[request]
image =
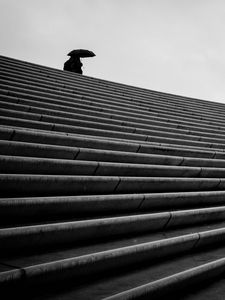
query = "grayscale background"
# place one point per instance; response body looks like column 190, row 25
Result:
column 175, row 46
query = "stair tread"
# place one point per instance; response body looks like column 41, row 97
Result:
column 42, row 256
column 97, row 175
column 128, row 279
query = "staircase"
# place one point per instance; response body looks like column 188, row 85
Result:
column 108, row 191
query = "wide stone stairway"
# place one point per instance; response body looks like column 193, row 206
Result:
column 108, row 191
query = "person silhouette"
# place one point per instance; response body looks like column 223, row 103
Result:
column 73, row 64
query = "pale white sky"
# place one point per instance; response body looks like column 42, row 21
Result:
column 175, row 46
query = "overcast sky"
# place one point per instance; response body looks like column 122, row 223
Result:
column 175, row 46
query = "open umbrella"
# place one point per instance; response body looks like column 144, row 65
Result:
column 81, row 53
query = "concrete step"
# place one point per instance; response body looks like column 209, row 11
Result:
column 176, row 283
column 214, row 289
column 43, row 255
column 112, row 98
column 28, row 237
column 47, row 185
column 28, row 92
column 89, row 83
column 116, row 187
column 98, row 125
column 152, row 137
column 11, row 103
column 35, row 106
column 20, row 91
column 61, row 207
column 95, row 264
column 17, row 130
column 28, row 165
column 23, row 149
column 56, row 138
column 158, row 95
column 128, row 278
column 153, row 130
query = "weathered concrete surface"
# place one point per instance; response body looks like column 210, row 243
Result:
column 119, row 188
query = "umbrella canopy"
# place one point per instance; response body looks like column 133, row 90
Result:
column 81, row 53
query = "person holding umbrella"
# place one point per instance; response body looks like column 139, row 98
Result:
column 74, row 64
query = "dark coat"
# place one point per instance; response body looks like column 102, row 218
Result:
column 73, row 65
